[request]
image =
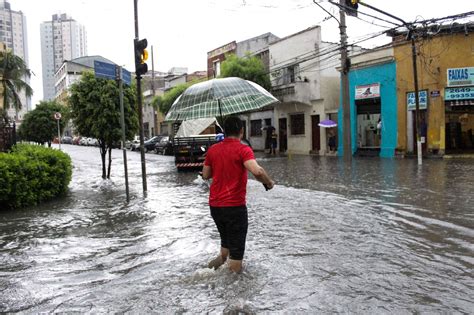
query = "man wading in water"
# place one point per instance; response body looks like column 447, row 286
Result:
column 227, row 163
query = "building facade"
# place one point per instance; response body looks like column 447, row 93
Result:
column 305, row 80
column 373, row 104
column 62, row 38
column 445, row 65
column 14, row 35
column 255, row 123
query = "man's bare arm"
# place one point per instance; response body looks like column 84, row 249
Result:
column 259, row 173
column 206, row 172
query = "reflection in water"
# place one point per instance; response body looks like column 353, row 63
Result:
column 378, row 236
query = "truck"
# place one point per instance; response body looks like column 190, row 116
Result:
column 191, row 142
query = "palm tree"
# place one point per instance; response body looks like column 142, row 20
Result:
column 13, row 72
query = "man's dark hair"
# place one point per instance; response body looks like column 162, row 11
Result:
column 232, row 126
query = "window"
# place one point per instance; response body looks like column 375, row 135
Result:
column 256, row 128
column 289, row 74
column 297, row 124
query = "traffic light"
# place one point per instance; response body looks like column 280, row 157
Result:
column 351, row 7
column 141, row 55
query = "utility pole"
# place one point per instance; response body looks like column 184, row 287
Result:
column 346, row 106
column 417, row 100
column 153, row 89
column 139, row 105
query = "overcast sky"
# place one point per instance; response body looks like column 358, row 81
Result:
column 183, row 31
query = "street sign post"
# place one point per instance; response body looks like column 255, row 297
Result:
column 113, row 72
column 57, row 116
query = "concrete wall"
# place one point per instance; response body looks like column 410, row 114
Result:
column 255, row 44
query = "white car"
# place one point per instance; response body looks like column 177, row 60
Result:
column 92, row 142
column 135, row 145
column 83, row 141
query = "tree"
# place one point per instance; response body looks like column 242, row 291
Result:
column 249, row 68
column 39, row 124
column 163, row 103
column 13, row 71
column 95, row 111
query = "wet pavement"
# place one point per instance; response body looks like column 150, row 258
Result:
column 381, row 236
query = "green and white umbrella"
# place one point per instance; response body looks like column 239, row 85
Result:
column 219, row 97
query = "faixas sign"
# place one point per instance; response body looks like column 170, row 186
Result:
column 460, row 76
column 367, row 91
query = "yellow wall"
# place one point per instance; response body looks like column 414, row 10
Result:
column 434, row 57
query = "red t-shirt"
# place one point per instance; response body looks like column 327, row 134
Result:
column 229, row 175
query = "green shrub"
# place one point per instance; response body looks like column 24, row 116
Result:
column 31, row 174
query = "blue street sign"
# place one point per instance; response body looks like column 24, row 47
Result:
column 109, row 71
column 104, row 70
column 126, row 77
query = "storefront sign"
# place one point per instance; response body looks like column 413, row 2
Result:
column 422, row 100
column 367, row 91
column 435, row 93
column 459, row 93
column 461, row 76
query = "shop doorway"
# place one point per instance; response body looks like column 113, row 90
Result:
column 459, row 130
column 316, row 134
column 282, row 134
column 369, row 125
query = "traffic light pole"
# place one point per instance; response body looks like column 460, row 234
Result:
column 139, row 105
column 346, row 106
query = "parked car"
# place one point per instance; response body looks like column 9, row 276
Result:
column 150, row 144
column 83, row 141
column 66, row 140
column 76, row 140
column 92, row 142
column 164, row 146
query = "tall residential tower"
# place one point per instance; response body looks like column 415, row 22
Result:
column 13, row 35
column 62, row 38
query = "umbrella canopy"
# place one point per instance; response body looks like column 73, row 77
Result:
column 219, row 97
column 328, row 123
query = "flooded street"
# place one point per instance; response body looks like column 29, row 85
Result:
column 382, row 236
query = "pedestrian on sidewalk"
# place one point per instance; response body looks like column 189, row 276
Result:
column 274, row 142
column 227, row 163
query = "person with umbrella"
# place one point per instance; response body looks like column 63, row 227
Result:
column 227, row 163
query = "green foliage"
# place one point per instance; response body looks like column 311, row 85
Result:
column 95, row 109
column 39, row 124
column 13, row 70
column 31, row 174
column 249, row 68
column 164, row 102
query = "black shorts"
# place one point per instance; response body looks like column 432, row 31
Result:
column 232, row 223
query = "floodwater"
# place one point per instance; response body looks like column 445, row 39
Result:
column 381, row 236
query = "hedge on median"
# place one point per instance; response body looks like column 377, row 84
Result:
column 31, row 174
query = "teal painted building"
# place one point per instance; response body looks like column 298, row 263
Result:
column 373, row 104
